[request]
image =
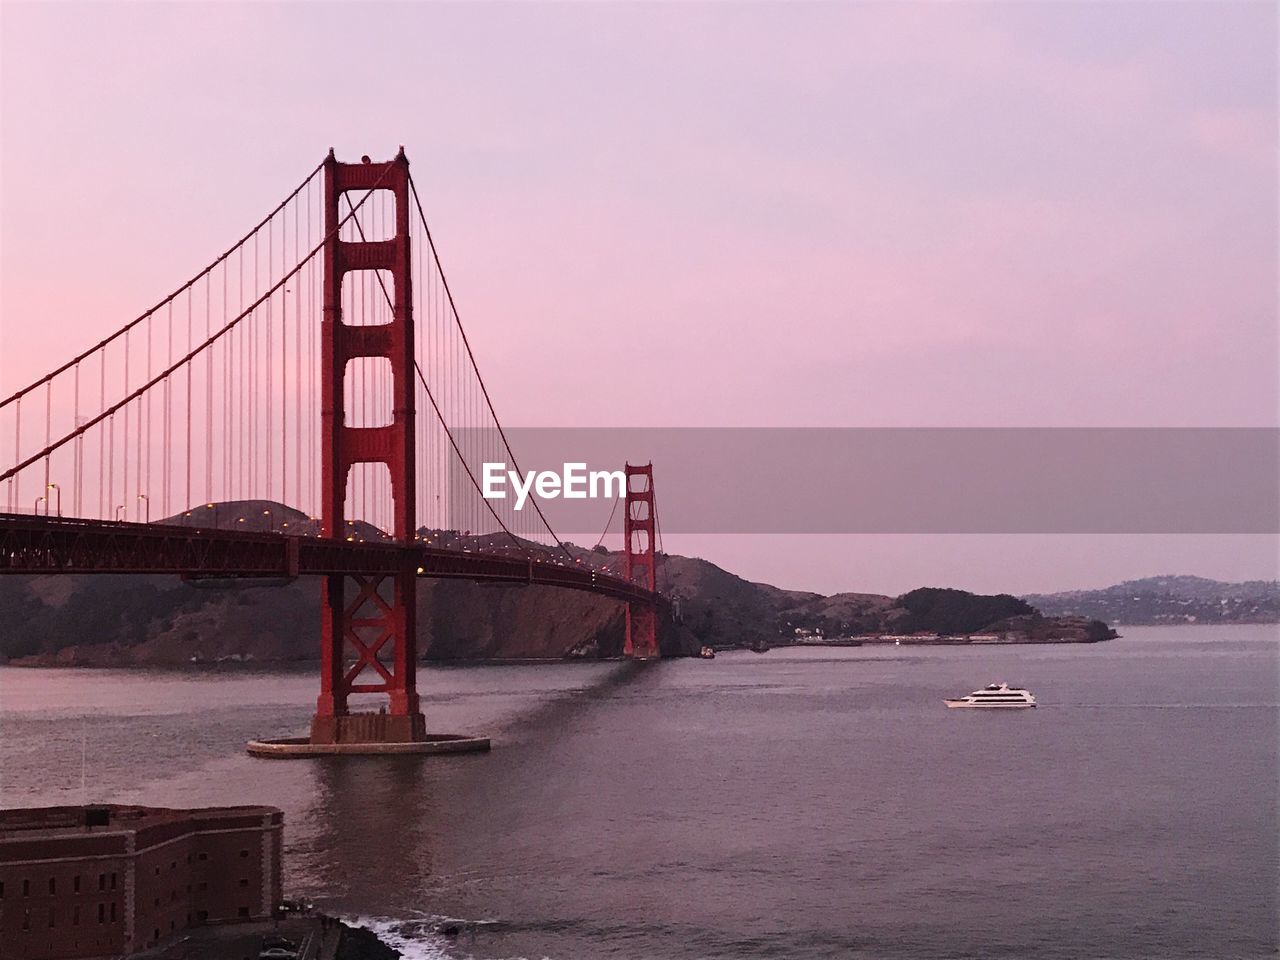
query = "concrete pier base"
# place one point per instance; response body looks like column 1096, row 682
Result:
column 368, row 728
column 432, row 743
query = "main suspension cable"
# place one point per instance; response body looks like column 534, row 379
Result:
column 448, row 433
column 190, row 283
column 444, row 281
column 608, row 523
column 193, row 352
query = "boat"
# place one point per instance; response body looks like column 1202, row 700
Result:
column 706, row 653
column 995, row 696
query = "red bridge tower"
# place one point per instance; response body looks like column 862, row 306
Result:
column 639, row 564
column 369, row 639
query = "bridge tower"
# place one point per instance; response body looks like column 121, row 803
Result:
column 369, row 634
column 640, row 554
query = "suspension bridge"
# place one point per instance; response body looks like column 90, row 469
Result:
column 320, row 361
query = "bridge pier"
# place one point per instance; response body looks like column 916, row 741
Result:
column 368, row 728
column 381, row 616
column 642, row 633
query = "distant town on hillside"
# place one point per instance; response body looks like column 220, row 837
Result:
column 1168, row 599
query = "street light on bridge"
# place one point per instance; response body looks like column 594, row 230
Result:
column 54, row 486
column 143, row 498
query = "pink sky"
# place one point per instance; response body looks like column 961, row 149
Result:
column 759, row 215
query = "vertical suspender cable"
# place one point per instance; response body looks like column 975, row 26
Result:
column 284, row 350
column 226, row 397
column 111, row 464
column 102, row 399
column 145, row 487
column 190, row 367
column 208, row 391
column 17, row 455
column 297, row 369
column 124, row 452
column 166, row 478
column 48, row 436
column 268, row 442
column 313, row 426
column 79, row 451
column 242, row 383
column 252, row 489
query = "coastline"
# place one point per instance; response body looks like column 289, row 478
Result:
column 98, row 657
column 941, row 640
column 319, row 936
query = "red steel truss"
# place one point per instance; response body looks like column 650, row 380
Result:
column 57, row 545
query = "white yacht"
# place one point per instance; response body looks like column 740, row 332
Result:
column 995, row 696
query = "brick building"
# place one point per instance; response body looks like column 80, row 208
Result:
column 107, row 881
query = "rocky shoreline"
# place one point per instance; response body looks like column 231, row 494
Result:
column 360, row 943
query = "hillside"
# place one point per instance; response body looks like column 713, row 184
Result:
column 1169, row 599
column 112, row 620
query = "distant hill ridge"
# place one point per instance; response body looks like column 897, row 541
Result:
column 1173, row 598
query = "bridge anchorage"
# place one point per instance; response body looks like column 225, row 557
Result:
column 228, row 413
